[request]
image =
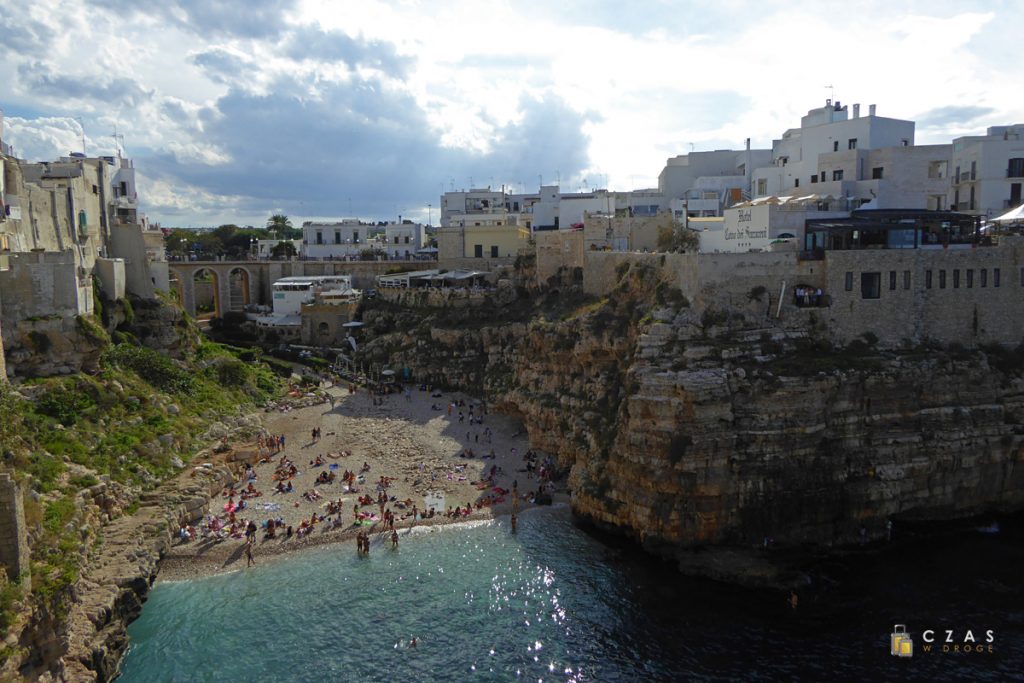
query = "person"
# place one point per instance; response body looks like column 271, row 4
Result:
column 793, row 600
column 394, row 538
column 248, row 554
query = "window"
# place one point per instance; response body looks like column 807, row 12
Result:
column 835, row 146
column 407, row 239
column 942, row 279
column 478, row 250
column 837, row 175
column 892, row 279
column 95, row 190
column 906, row 279
column 995, row 277
column 319, row 237
column 337, row 237
column 877, row 172
column 796, row 182
column 762, row 186
column 974, row 169
column 928, row 279
column 494, row 252
column 851, row 143
column 956, row 278
column 970, row 278
column 814, row 178
column 1015, row 168
column 355, row 237
column 870, row 285
column 971, row 207
column 849, row 282
column 396, row 239
column 984, row 277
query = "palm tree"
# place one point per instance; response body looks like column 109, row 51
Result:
column 279, row 223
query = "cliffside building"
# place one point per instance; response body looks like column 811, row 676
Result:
column 988, row 171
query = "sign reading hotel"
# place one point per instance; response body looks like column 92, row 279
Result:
column 749, row 226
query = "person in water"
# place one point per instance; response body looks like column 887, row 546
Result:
column 394, row 538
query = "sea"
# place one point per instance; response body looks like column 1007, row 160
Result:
column 553, row 602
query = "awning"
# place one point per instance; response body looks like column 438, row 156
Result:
column 1011, row 216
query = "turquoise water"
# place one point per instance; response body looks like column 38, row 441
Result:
column 553, row 604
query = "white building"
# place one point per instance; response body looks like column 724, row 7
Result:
column 705, row 183
column 830, row 147
column 291, row 292
column 988, row 171
column 762, row 224
column 455, row 205
column 403, row 240
column 343, row 239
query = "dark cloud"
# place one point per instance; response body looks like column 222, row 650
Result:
column 242, row 18
column 952, row 115
column 23, row 35
column 361, row 142
column 221, row 66
column 41, row 80
column 310, row 42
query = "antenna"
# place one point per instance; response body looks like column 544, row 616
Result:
column 118, row 137
column 691, row 147
column 831, row 93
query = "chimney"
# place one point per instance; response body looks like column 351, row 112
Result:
column 748, row 144
column 871, row 110
column 856, row 111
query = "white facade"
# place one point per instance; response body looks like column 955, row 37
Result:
column 688, row 177
column 291, row 292
column 403, row 240
column 759, row 224
column 343, row 239
column 803, row 157
column 454, row 205
column 988, row 171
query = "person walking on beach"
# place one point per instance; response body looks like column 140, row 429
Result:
column 249, row 561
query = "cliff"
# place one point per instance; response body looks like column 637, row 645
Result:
column 689, row 430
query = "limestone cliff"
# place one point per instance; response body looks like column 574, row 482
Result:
column 688, row 430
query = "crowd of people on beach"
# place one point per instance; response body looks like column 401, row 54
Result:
column 375, row 509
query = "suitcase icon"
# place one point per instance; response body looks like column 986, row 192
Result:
column 901, row 644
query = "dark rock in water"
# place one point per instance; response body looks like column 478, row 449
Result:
column 543, row 499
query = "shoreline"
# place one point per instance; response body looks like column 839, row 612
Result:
column 415, row 440
column 178, row 566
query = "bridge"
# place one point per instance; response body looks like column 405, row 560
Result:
column 224, row 286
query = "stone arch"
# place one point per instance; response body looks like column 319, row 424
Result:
column 206, row 293
column 323, row 330
column 239, row 288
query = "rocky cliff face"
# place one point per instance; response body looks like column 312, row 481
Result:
column 689, row 430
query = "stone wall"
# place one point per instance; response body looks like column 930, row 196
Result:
column 964, row 303
column 907, row 310
column 14, row 552
column 558, row 249
column 41, row 284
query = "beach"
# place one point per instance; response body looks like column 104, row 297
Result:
column 415, row 439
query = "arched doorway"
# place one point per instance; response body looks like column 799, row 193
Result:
column 238, row 289
column 206, row 287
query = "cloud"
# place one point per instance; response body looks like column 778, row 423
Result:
column 41, row 80
column 239, row 18
column 954, row 116
column 24, row 35
column 361, row 142
column 313, row 43
column 222, row 66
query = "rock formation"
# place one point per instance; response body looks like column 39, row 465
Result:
column 716, row 429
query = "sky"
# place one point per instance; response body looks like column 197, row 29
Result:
column 233, row 110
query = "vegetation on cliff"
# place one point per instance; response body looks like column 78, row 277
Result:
column 108, row 436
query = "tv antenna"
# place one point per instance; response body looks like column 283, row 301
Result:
column 81, row 126
column 118, row 138
column 831, row 93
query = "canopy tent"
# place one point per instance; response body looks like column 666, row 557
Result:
column 1011, row 216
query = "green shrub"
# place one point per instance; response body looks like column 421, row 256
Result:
column 89, row 328
column 232, row 373
column 151, row 366
column 64, row 404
